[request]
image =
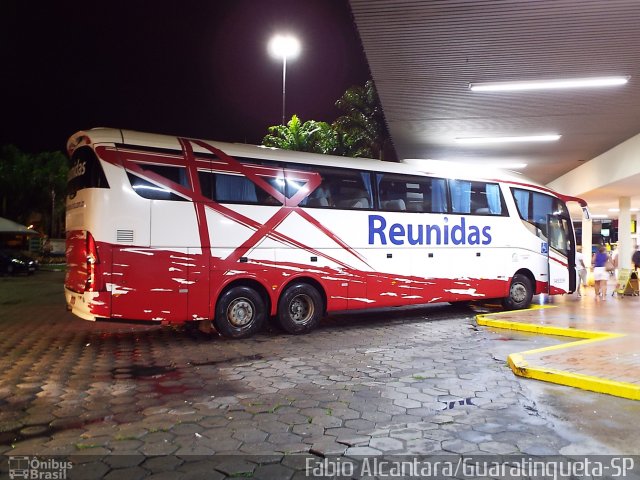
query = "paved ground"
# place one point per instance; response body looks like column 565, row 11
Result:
column 603, row 354
column 125, row 401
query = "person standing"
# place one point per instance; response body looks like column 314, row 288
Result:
column 635, row 258
column 581, row 270
column 600, row 274
column 614, row 260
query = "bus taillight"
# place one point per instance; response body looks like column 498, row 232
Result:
column 92, row 261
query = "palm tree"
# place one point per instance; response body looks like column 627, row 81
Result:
column 310, row 136
column 362, row 129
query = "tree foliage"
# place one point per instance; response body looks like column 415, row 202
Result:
column 310, row 136
column 32, row 187
column 360, row 132
column 362, row 125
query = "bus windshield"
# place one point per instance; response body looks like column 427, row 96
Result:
column 534, row 207
column 85, row 172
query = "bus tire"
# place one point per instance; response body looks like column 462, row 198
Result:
column 300, row 308
column 520, row 293
column 240, row 312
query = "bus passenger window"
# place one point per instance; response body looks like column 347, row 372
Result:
column 321, row 196
column 411, row 193
column 175, row 174
column 478, row 198
column 235, row 188
column 353, row 190
column 226, row 188
column 340, row 188
column 152, row 191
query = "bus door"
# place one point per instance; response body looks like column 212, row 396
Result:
column 560, row 251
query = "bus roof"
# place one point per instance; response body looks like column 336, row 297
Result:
column 430, row 167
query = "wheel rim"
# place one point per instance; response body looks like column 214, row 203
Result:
column 240, row 312
column 301, row 309
column 518, row 292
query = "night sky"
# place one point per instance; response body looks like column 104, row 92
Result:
column 192, row 68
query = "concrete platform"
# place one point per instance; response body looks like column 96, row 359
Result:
column 603, row 355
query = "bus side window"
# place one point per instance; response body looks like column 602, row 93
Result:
column 159, row 191
column 412, row 193
column 486, row 199
column 152, row 191
column 393, row 192
column 340, row 188
column 353, row 190
column 478, row 198
column 228, row 188
column 234, row 188
column 207, row 184
column 175, row 174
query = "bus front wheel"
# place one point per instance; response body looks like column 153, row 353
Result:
column 520, row 293
column 240, row 312
column 300, row 308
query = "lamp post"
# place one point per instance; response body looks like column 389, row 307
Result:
column 284, row 46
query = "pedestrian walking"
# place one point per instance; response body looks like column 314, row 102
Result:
column 581, row 270
column 600, row 274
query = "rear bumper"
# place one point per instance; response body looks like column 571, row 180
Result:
column 78, row 304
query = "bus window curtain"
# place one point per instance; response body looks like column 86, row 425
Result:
column 493, row 199
column 366, row 179
column 234, row 188
column 522, row 201
column 438, row 196
column 460, row 196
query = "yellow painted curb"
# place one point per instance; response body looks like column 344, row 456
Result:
column 519, row 365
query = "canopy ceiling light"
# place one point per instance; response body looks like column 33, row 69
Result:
column 528, row 138
column 548, row 84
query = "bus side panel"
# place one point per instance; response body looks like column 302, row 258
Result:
column 393, row 285
column 149, row 284
column 198, row 278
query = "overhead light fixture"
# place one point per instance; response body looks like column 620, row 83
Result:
column 477, row 166
column 527, row 138
column 617, row 210
column 507, row 166
column 549, row 84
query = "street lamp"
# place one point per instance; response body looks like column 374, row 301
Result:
column 284, row 46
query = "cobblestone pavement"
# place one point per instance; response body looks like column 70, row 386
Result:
column 132, row 401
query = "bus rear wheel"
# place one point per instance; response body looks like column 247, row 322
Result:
column 520, row 293
column 300, row 308
column 240, row 313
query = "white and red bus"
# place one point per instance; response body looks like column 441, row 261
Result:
column 169, row 229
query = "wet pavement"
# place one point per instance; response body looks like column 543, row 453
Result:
column 135, row 401
column 601, row 353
